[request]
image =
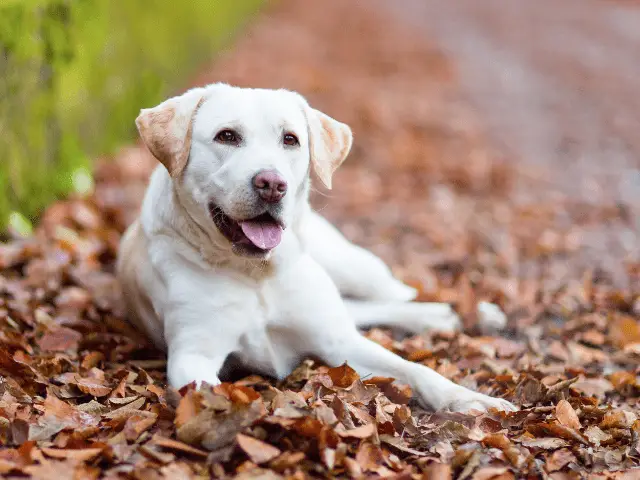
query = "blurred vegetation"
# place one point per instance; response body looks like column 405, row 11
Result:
column 74, row 74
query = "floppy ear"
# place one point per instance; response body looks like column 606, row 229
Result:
column 166, row 129
column 329, row 144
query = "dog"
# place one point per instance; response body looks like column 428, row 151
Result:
column 227, row 256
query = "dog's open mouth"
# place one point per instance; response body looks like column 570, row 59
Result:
column 257, row 235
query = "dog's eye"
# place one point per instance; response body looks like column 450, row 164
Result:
column 290, row 140
column 228, row 136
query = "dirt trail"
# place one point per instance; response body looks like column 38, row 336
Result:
column 556, row 83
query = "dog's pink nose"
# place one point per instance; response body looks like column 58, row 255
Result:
column 270, row 185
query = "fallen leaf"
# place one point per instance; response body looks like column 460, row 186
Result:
column 88, row 386
column 618, row 419
column 559, row 459
column 369, row 457
column 343, row 376
column 488, row 473
column 258, row 451
column 364, row 431
column 438, row 471
column 60, row 339
column 567, row 416
column 138, row 423
column 624, row 330
column 80, row 455
column 177, row 446
column 545, row 443
column 596, row 435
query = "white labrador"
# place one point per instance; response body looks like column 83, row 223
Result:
column 228, row 257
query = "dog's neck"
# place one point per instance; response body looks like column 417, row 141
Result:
column 168, row 211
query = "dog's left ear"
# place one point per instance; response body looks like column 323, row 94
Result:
column 166, row 129
column 329, row 144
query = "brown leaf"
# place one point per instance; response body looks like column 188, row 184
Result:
column 343, row 376
column 80, row 455
column 161, row 457
column 369, row 457
column 177, row 446
column 544, row 443
column 400, row 444
column 567, row 416
column 624, row 330
column 138, row 423
column 530, row 390
column 559, row 459
column 618, row 419
column 237, row 393
column 213, row 430
column 126, row 411
column 308, row 427
column 188, row 408
column 258, row 451
column 59, row 415
column 438, row 471
column 92, row 359
column 60, row 339
column 596, row 435
column 624, row 382
column 287, row 460
column 597, row 387
column 364, row 431
column 497, row 440
column 353, row 467
column 92, row 387
column 55, row 470
column 557, row 430
column 121, row 390
column 488, row 473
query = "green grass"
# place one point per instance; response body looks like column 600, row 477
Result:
column 75, row 73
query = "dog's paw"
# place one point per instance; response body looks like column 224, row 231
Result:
column 468, row 400
column 491, row 318
column 419, row 317
column 397, row 291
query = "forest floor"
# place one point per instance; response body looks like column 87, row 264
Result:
column 467, row 189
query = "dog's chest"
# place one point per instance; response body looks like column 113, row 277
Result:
column 267, row 346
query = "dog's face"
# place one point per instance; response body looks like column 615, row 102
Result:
column 243, row 157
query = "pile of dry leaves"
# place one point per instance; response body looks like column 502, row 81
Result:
column 83, row 396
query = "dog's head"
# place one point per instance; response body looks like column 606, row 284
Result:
column 243, row 157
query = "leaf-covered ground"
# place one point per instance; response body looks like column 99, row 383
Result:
column 83, row 396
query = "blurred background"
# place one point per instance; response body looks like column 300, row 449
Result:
column 497, row 136
column 74, row 75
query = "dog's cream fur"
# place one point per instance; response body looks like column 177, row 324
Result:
column 199, row 298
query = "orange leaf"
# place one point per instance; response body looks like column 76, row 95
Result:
column 567, row 416
column 364, row 431
column 257, row 450
column 177, row 446
column 343, row 376
column 80, row 455
column 188, row 408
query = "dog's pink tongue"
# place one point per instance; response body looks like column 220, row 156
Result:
column 264, row 235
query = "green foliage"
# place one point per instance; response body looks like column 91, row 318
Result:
column 75, row 73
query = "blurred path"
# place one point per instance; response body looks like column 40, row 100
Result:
column 557, row 83
column 506, row 125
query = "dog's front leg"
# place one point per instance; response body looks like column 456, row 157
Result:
column 198, row 349
column 319, row 324
column 205, row 318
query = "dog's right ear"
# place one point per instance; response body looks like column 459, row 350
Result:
column 166, row 129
